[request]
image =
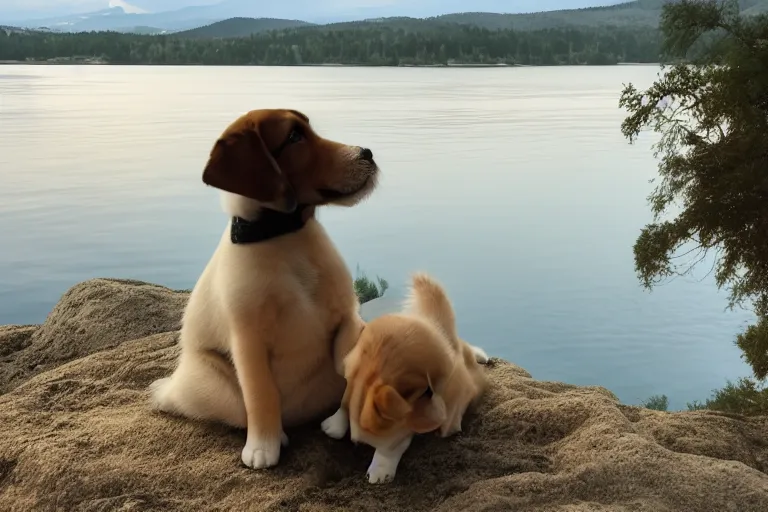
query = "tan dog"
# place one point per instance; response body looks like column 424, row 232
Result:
column 409, row 374
column 274, row 312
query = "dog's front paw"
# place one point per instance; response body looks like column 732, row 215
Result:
column 336, row 426
column 262, row 453
column 381, row 471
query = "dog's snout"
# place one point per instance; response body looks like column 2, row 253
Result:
column 366, row 154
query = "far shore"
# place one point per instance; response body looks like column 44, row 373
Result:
column 99, row 62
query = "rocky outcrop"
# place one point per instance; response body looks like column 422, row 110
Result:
column 92, row 316
column 77, row 434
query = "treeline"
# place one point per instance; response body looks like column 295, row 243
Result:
column 375, row 46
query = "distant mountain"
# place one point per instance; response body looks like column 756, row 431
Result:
column 244, row 17
column 125, row 14
column 640, row 13
column 117, row 19
column 12, row 11
column 241, row 27
column 628, row 14
column 244, row 27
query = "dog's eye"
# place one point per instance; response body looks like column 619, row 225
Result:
column 295, row 136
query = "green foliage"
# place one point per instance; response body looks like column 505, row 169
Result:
column 713, row 195
column 370, row 44
column 656, row 403
column 696, row 406
column 367, row 289
column 746, row 396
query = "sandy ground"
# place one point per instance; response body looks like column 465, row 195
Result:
column 77, row 434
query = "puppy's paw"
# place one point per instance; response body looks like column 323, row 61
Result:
column 480, row 355
column 283, row 439
column 336, row 426
column 381, row 471
column 262, row 453
column 158, row 392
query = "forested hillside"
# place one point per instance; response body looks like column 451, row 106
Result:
column 607, row 35
column 641, row 13
column 241, row 27
column 374, row 45
column 632, row 14
column 637, row 14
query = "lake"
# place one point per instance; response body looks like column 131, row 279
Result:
column 512, row 186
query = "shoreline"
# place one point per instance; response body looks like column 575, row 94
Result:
column 95, row 62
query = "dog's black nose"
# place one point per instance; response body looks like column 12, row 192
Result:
column 366, row 154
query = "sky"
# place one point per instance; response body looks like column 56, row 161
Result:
column 46, row 8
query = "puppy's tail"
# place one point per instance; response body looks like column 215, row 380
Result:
column 428, row 299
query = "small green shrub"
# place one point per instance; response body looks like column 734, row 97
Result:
column 745, row 396
column 367, row 289
column 656, row 403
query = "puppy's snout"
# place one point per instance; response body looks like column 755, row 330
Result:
column 366, row 154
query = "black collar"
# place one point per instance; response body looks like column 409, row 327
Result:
column 270, row 224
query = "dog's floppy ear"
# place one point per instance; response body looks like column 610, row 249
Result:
column 240, row 163
column 428, row 414
column 383, row 406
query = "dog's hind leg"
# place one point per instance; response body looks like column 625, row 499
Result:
column 204, row 387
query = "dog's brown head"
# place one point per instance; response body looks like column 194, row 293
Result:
column 274, row 157
column 394, row 377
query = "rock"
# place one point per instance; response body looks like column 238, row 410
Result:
column 80, row 436
column 14, row 338
column 95, row 315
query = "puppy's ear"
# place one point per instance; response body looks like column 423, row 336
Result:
column 383, row 406
column 240, row 163
column 428, row 414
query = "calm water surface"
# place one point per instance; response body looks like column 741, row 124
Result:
column 512, row 186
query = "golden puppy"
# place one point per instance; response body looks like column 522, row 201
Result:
column 274, row 312
column 409, row 373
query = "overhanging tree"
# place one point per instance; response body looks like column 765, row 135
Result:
column 711, row 111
